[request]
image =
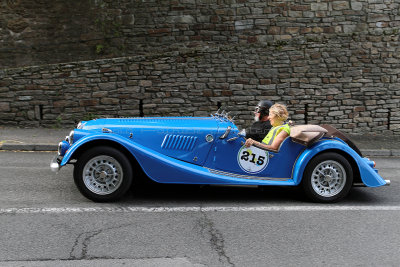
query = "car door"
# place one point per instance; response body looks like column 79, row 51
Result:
column 231, row 156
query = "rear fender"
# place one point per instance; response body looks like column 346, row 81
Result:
column 368, row 175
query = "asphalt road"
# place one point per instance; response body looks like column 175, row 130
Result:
column 44, row 221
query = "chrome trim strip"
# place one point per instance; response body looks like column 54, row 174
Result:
column 234, row 175
column 162, row 118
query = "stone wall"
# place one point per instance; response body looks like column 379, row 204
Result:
column 198, row 82
column 50, row 31
column 334, row 62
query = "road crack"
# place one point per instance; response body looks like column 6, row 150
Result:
column 79, row 250
column 81, row 244
column 217, row 241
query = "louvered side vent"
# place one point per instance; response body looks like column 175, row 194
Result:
column 179, row 142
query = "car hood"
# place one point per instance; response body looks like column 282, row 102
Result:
column 152, row 123
column 186, row 138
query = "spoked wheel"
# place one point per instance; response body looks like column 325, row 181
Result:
column 103, row 174
column 328, row 178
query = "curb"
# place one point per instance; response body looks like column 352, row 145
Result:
column 381, row 152
column 396, row 152
column 376, row 152
column 28, row 147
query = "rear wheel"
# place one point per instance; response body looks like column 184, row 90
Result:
column 328, row 178
column 103, row 174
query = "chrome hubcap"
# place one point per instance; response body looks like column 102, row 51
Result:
column 102, row 175
column 328, row 178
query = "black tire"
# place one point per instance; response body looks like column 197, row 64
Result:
column 327, row 178
column 103, row 174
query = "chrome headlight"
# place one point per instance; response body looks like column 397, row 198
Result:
column 60, row 145
column 70, row 138
column 62, row 148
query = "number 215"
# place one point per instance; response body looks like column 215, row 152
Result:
column 245, row 156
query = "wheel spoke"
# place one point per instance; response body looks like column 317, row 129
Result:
column 328, row 178
column 102, row 175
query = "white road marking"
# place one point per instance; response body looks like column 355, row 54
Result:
column 5, row 211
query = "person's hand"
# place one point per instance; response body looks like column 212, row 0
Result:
column 249, row 142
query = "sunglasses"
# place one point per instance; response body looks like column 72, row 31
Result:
column 257, row 109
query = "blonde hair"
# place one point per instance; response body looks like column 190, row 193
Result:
column 280, row 111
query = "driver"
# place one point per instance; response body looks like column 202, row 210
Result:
column 261, row 126
column 278, row 114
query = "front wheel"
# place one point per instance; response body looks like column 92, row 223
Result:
column 103, row 174
column 328, row 178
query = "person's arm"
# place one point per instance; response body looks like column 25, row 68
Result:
column 275, row 144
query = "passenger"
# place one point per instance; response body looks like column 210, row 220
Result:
column 278, row 114
column 261, row 126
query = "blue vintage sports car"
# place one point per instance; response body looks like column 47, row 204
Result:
column 107, row 153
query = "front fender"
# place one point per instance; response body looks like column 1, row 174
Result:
column 368, row 175
column 158, row 167
column 93, row 137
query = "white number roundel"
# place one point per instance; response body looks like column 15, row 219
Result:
column 252, row 159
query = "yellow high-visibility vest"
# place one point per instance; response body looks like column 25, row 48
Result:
column 269, row 138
